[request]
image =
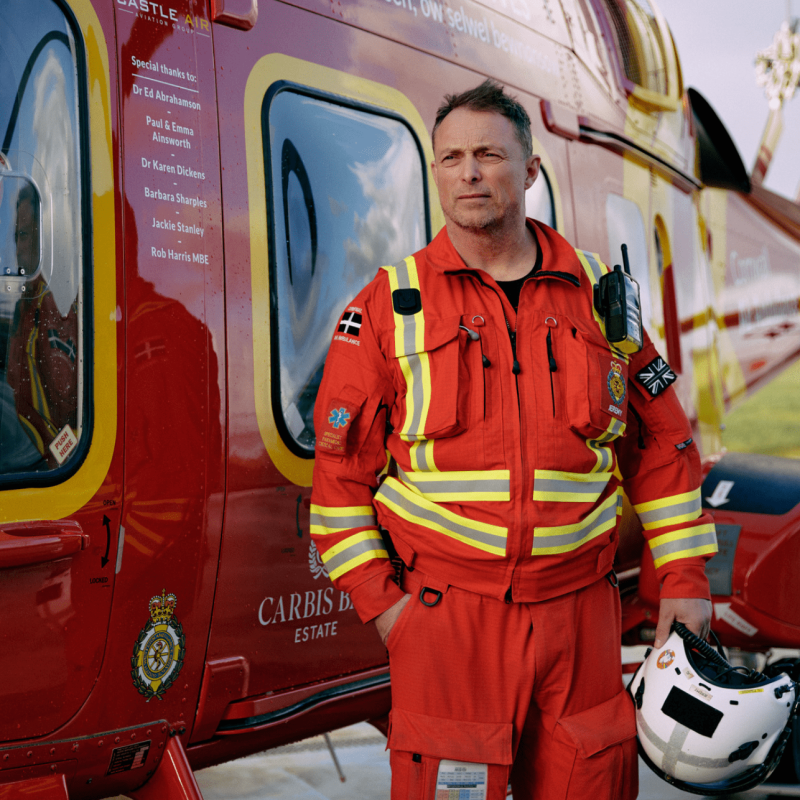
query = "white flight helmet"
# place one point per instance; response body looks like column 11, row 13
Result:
column 705, row 726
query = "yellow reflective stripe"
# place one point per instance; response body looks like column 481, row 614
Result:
column 414, row 508
column 409, row 330
column 352, row 551
column 409, row 343
column 600, row 446
column 669, row 510
column 460, row 486
column 594, row 269
column 564, row 538
column 421, row 454
column 325, row 519
column 686, row 543
column 417, row 373
column 569, row 487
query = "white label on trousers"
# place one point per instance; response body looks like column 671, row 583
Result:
column 461, row 780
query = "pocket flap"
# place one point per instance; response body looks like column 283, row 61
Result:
column 459, row 740
column 595, row 729
column 438, row 332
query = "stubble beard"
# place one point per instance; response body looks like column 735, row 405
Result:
column 487, row 222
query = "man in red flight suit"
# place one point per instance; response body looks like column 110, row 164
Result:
column 480, row 365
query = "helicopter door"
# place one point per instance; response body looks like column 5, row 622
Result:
column 56, row 559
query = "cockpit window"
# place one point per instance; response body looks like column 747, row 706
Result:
column 43, row 343
column 347, row 195
column 640, row 44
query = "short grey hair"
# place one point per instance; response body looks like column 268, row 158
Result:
column 490, row 96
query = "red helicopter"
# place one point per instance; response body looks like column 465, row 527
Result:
column 191, row 192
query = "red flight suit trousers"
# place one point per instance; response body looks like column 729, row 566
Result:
column 530, row 692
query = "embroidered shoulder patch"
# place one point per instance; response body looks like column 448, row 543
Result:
column 350, row 322
column 333, row 437
column 656, row 376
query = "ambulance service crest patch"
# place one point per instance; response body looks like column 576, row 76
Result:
column 158, row 653
column 616, row 383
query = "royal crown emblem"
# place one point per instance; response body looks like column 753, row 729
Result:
column 158, row 653
column 616, row 383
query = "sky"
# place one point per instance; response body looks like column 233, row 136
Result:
column 717, row 41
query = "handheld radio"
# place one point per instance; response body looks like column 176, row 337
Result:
column 616, row 299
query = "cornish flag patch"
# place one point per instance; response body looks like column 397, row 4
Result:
column 350, row 324
column 656, row 376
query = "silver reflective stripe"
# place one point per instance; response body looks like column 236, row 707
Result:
column 595, row 266
column 413, row 368
column 575, row 535
column 672, row 749
column 687, row 543
column 603, row 453
column 417, row 509
column 343, row 523
column 410, row 321
column 422, row 454
column 565, row 487
column 349, row 553
column 617, row 429
column 570, row 487
column 462, row 486
column 418, row 395
column 692, row 506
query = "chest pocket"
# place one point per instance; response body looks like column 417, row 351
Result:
column 432, row 384
column 597, row 386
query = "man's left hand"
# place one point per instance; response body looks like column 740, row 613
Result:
column 693, row 612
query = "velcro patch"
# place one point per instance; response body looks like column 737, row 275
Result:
column 406, row 302
column 656, row 376
column 338, row 422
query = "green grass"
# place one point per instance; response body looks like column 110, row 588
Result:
column 768, row 421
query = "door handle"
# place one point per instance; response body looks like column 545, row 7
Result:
column 25, row 543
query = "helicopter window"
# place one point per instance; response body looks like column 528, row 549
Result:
column 666, row 273
column 539, row 200
column 625, row 226
column 639, row 42
column 43, row 344
column 347, row 191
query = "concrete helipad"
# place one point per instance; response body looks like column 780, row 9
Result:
column 306, row 771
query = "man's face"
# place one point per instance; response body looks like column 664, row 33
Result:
column 481, row 171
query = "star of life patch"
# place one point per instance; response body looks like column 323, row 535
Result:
column 656, row 376
column 338, row 422
column 461, row 780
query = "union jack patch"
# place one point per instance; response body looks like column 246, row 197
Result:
column 656, row 376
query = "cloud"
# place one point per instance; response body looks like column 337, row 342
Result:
column 395, row 219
